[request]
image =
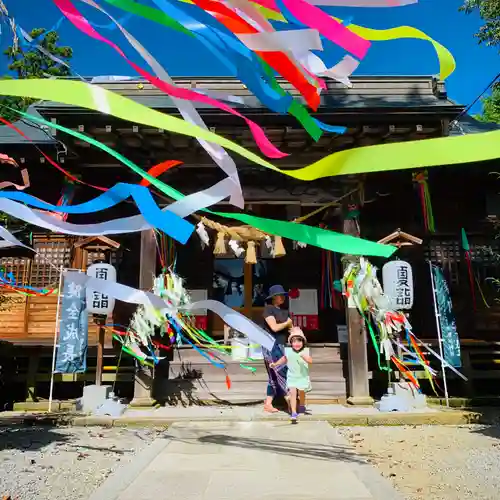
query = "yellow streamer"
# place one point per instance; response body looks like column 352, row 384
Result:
column 447, row 63
column 382, row 157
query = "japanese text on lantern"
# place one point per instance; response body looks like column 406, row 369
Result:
column 98, row 302
column 71, row 355
column 403, row 290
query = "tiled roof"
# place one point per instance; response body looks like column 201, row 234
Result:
column 37, row 134
column 469, row 125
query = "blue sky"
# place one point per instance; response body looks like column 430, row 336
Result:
column 182, row 56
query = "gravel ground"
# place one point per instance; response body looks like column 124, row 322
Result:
column 64, row 463
column 435, row 462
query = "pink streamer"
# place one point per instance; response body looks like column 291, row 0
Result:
column 80, row 22
column 327, row 26
column 24, row 174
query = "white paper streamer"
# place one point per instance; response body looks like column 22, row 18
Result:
column 188, row 112
column 235, row 247
column 293, row 40
column 133, row 296
column 9, row 240
column 202, row 233
column 340, row 72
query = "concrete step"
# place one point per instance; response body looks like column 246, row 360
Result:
column 191, row 390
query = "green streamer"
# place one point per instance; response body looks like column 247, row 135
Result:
column 314, row 236
column 155, row 15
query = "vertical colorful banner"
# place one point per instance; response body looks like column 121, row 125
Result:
column 73, row 329
column 449, row 334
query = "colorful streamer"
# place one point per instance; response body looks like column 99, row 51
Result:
column 70, row 11
column 24, row 174
column 8, row 281
column 159, row 169
column 421, row 179
column 446, row 60
column 133, row 296
column 167, row 221
column 470, row 271
column 384, row 157
column 314, row 236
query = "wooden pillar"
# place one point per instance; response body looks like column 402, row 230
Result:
column 143, row 380
column 101, row 321
column 357, row 359
column 147, row 270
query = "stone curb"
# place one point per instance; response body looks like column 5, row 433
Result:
column 449, row 417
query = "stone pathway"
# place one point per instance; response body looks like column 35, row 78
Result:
column 248, row 461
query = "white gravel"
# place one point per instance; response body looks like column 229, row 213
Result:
column 434, row 462
column 64, row 463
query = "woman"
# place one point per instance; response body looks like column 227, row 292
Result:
column 277, row 322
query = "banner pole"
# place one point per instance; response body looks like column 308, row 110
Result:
column 440, row 336
column 56, row 331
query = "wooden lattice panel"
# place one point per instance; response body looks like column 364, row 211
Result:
column 446, row 254
column 52, row 253
column 18, row 266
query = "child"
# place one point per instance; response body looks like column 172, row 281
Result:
column 297, row 359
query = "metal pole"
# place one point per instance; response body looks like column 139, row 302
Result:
column 56, row 331
column 440, row 337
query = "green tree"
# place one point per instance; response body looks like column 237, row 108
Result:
column 489, row 34
column 491, row 107
column 489, row 10
column 31, row 62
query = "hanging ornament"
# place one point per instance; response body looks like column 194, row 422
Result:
column 278, row 247
column 421, row 180
column 235, row 247
column 202, row 233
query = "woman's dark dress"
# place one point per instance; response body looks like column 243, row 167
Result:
column 277, row 377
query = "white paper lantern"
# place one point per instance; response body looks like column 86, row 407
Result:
column 398, row 284
column 97, row 302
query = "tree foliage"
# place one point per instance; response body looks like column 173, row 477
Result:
column 31, row 62
column 489, row 10
column 491, row 107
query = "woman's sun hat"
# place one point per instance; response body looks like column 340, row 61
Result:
column 296, row 332
column 276, row 290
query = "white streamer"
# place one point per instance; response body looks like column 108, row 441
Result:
column 133, row 224
column 188, row 112
column 293, row 40
column 133, row 296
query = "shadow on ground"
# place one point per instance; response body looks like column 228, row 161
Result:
column 23, row 438
column 290, row 448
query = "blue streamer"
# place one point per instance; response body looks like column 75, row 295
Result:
column 9, row 279
column 219, row 40
column 169, row 223
column 330, row 128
